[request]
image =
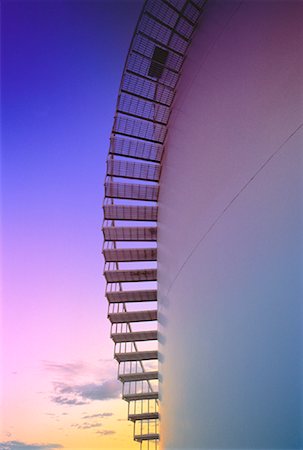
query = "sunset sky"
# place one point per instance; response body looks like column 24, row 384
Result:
column 61, row 66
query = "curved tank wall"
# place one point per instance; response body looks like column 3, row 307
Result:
column 230, row 234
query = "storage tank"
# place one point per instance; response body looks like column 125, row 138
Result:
column 230, row 234
column 203, row 227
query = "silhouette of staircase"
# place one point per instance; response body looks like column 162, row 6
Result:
column 161, row 39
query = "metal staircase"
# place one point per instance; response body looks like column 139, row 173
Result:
column 157, row 51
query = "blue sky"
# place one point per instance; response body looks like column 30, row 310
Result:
column 62, row 63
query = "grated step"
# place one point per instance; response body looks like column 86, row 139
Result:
column 135, row 336
column 136, row 356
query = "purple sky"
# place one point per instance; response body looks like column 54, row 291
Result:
column 61, row 66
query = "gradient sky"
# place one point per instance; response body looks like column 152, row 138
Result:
column 61, row 66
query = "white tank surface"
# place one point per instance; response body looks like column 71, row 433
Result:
column 230, row 246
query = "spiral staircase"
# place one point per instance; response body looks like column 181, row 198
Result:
column 153, row 66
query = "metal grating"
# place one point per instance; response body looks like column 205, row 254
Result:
column 132, row 213
column 132, row 296
column 129, row 169
column 131, row 191
column 141, row 396
column 152, row 69
column 129, row 377
column 135, row 336
column 145, row 416
column 123, row 276
column 130, row 254
column 136, row 356
column 146, row 437
column 136, row 149
column 133, row 316
column 130, row 233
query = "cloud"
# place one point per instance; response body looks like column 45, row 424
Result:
column 67, row 401
column 101, row 415
column 103, row 391
column 17, row 445
column 105, row 432
column 76, row 371
column 65, row 369
column 87, row 425
column 80, row 394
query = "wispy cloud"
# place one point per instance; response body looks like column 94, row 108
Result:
column 100, row 415
column 17, row 445
column 87, row 425
column 67, row 401
column 77, row 371
column 65, row 369
column 80, row 394
column 105, row 432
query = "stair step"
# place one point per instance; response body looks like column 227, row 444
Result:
column 148, row 234
column 116, row 276
column 134, row 148
column 146, row 437
column 132, row 127
column 143, row 416
column 135, row 336
column 133, row 316
column 133, row 170
column 141, row 396
column 140, row 376
column 136, row 356
column 132, row 191
column 148, row 295
column 130, row 254
column 129, row 212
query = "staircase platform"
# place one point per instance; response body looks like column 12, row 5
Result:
column 140, row 376
column 130, row 254
column 135, row 336
column 148, row 295
column 124, row 276
column 130, row 212
column 133, row 316
column 141, row 396
column 146, row 437
column 143, row 416
column 114, row 234
column 136, row 356
column 134, row 148
column 133, row 170
column 130, row 191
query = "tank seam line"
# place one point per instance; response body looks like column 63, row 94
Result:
column 235, row 197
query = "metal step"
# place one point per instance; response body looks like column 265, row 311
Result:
column 135, row 336
column 143, row 416
column 136, row 356
column 139, row 128
column 129, row 254
column 148, row 295
column 146, row 437
column 141, row 396
column 131, row 191
column 133, row 316
column 116, row 276
column 133, row 170
column 135, row 105
column 128, row 212
column 134, row 148
column 140, row 376
column 130, row 233
column 134, row 84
